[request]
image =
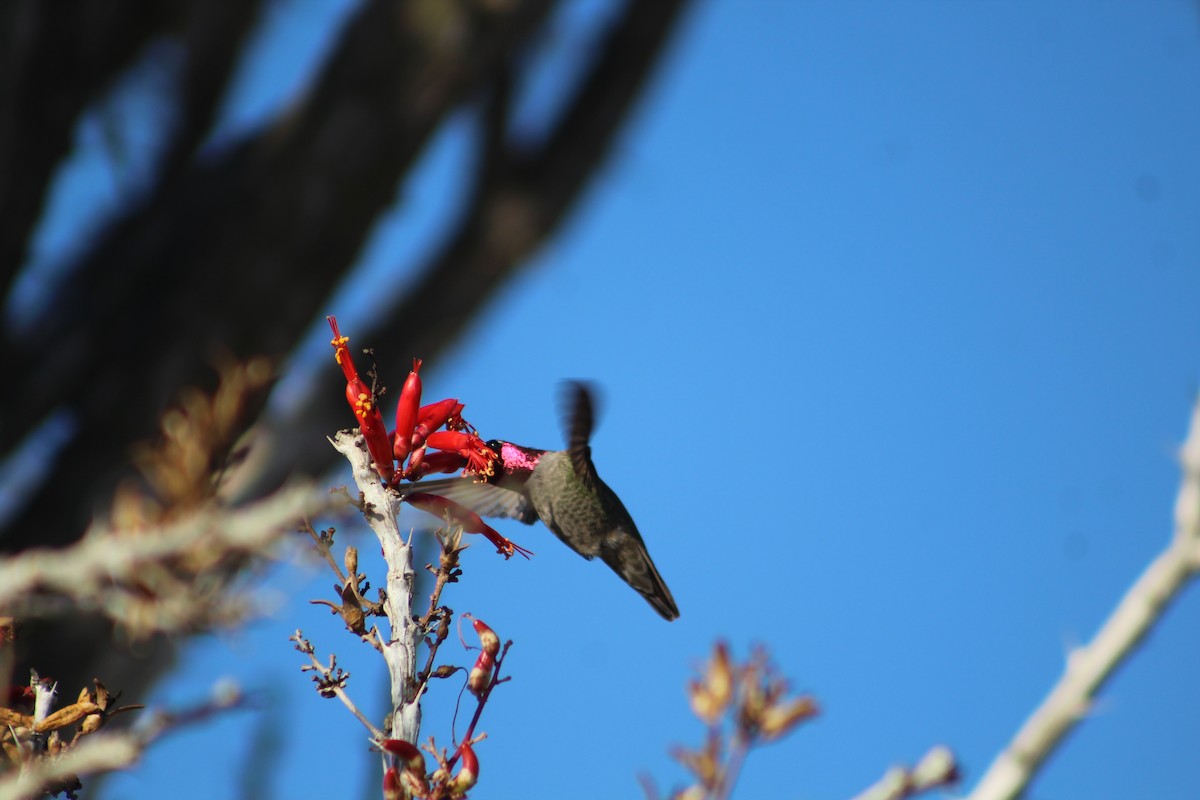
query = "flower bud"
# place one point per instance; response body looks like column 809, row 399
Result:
column 481, row 673
column 780, row 718
column 711, row 695
column 488, row 639
column 407, row 410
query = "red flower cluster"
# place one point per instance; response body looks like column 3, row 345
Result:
column 419, row 446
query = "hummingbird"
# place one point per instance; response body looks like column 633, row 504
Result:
column 563, row 490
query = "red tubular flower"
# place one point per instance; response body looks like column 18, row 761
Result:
column 455, row 448
column 434, row 416
column 480, row 676
column 362, row 403
column 407, row 413
column 432, row 462
column 468, row 519
column 416, row 465
column 455, row 422
column 479, row 458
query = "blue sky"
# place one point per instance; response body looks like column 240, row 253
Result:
column 894, row 308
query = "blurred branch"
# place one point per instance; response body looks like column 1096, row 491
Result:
column 55, row 60
column 125, row 573
column 935, row 770
column 1090, row 666
column 213, row 36
column 744, row 706
column 108, row 750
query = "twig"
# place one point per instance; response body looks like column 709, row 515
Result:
column 323, row 542
column 446, row 572
column 1089, row 667
column 354, row 607
column 936, row 769
column 331, row 682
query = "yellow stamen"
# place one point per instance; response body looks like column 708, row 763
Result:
column 363, row 404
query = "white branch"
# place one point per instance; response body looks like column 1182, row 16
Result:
column 400, row 651
column 98, row 753
column 936, row 768
column 1090, row 666
column 99, row 570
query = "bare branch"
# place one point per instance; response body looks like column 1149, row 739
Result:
column 936, row 769
column 140, row 578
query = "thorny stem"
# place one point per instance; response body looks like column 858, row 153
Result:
column 380, row 508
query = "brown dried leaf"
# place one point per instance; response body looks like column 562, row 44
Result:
column 67, row 716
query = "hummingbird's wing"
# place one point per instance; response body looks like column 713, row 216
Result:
column 621, row 546
column 484, row 499
column 579, row 420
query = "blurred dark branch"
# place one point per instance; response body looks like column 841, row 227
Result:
column 55, row 59
column 213, row 41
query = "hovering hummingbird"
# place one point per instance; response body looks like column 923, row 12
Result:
column 562, row 489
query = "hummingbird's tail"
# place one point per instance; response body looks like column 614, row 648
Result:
column 634, row 566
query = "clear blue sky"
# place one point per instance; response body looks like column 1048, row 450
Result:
column 895, row 308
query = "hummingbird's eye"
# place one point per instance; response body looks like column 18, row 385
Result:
column 494, row 445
